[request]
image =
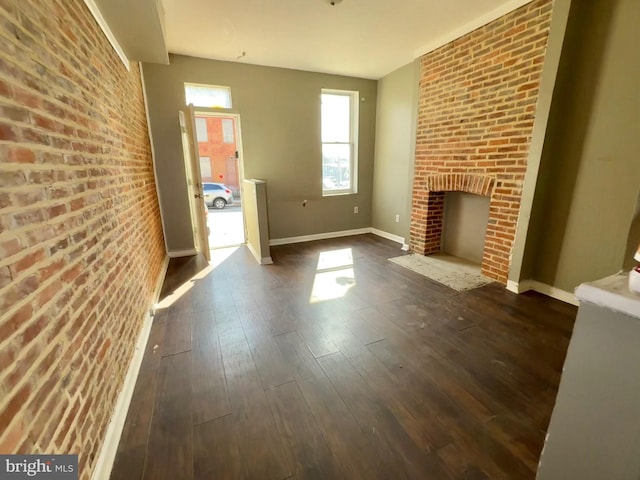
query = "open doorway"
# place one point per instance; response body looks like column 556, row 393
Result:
column 221, row 172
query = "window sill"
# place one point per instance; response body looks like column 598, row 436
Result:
column 335, row 193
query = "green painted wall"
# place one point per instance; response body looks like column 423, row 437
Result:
column 280, row 126
column 589, row 180
column 395, row 150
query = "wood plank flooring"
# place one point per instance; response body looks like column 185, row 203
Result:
column 386, row 376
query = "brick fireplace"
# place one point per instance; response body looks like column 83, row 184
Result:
column 477, row 103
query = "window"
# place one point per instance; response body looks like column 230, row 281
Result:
column 339, row 125
column 227, row 130
column 201, row 129
column 205, row 167
column 210, row 96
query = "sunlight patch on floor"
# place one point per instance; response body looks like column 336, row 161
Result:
column 335, row 259
column 335, row 275
column 218, row 256
column 173, row 297
column 226, row 227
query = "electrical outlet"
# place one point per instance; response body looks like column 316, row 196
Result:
column 355, row 209
column 397, row 218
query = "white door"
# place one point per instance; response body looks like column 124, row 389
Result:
column 194, row 182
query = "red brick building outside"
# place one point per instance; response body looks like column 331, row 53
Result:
column 217, row 151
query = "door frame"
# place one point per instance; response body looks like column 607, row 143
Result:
column 216, row 112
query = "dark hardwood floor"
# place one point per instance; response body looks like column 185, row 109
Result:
column 399, row 378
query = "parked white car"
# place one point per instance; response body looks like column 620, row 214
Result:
column 217, row 195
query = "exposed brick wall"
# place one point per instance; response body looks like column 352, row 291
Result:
column 81, row 243
column 477, row 104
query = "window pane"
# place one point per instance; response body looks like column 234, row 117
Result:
column 227, row 130
column 205, row 167
column 210, row 96
column 201, row 129
column 336, row 167
column 336, row 118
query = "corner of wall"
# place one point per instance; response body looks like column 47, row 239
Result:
column 559, row 19
column 548, row 290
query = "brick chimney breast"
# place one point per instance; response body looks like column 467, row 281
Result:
column 477, row 105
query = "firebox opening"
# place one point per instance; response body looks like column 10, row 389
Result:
column 466, row 217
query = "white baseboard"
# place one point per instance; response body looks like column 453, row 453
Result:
column 107, row 455
column 543, row 288
column 253, row 252
column 388, row 236
column 261, row 260
column 318, row 236
column 405, row 247
column 554, row 292
column 160, row 281
column 344, row 233
column 515, row 287
column 109, row 448
column 182, row 253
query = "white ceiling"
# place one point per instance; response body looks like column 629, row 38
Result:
column 361, row 38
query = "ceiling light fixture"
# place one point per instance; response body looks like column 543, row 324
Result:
column 333, row 3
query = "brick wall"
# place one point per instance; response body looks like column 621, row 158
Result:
column 81, row 243
column 221, row 154
column 477, row 104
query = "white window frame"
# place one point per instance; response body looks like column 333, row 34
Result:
column 354, row 101
column 202, row 172
column 202, row 133
column 228, row 134
column 221, row 88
